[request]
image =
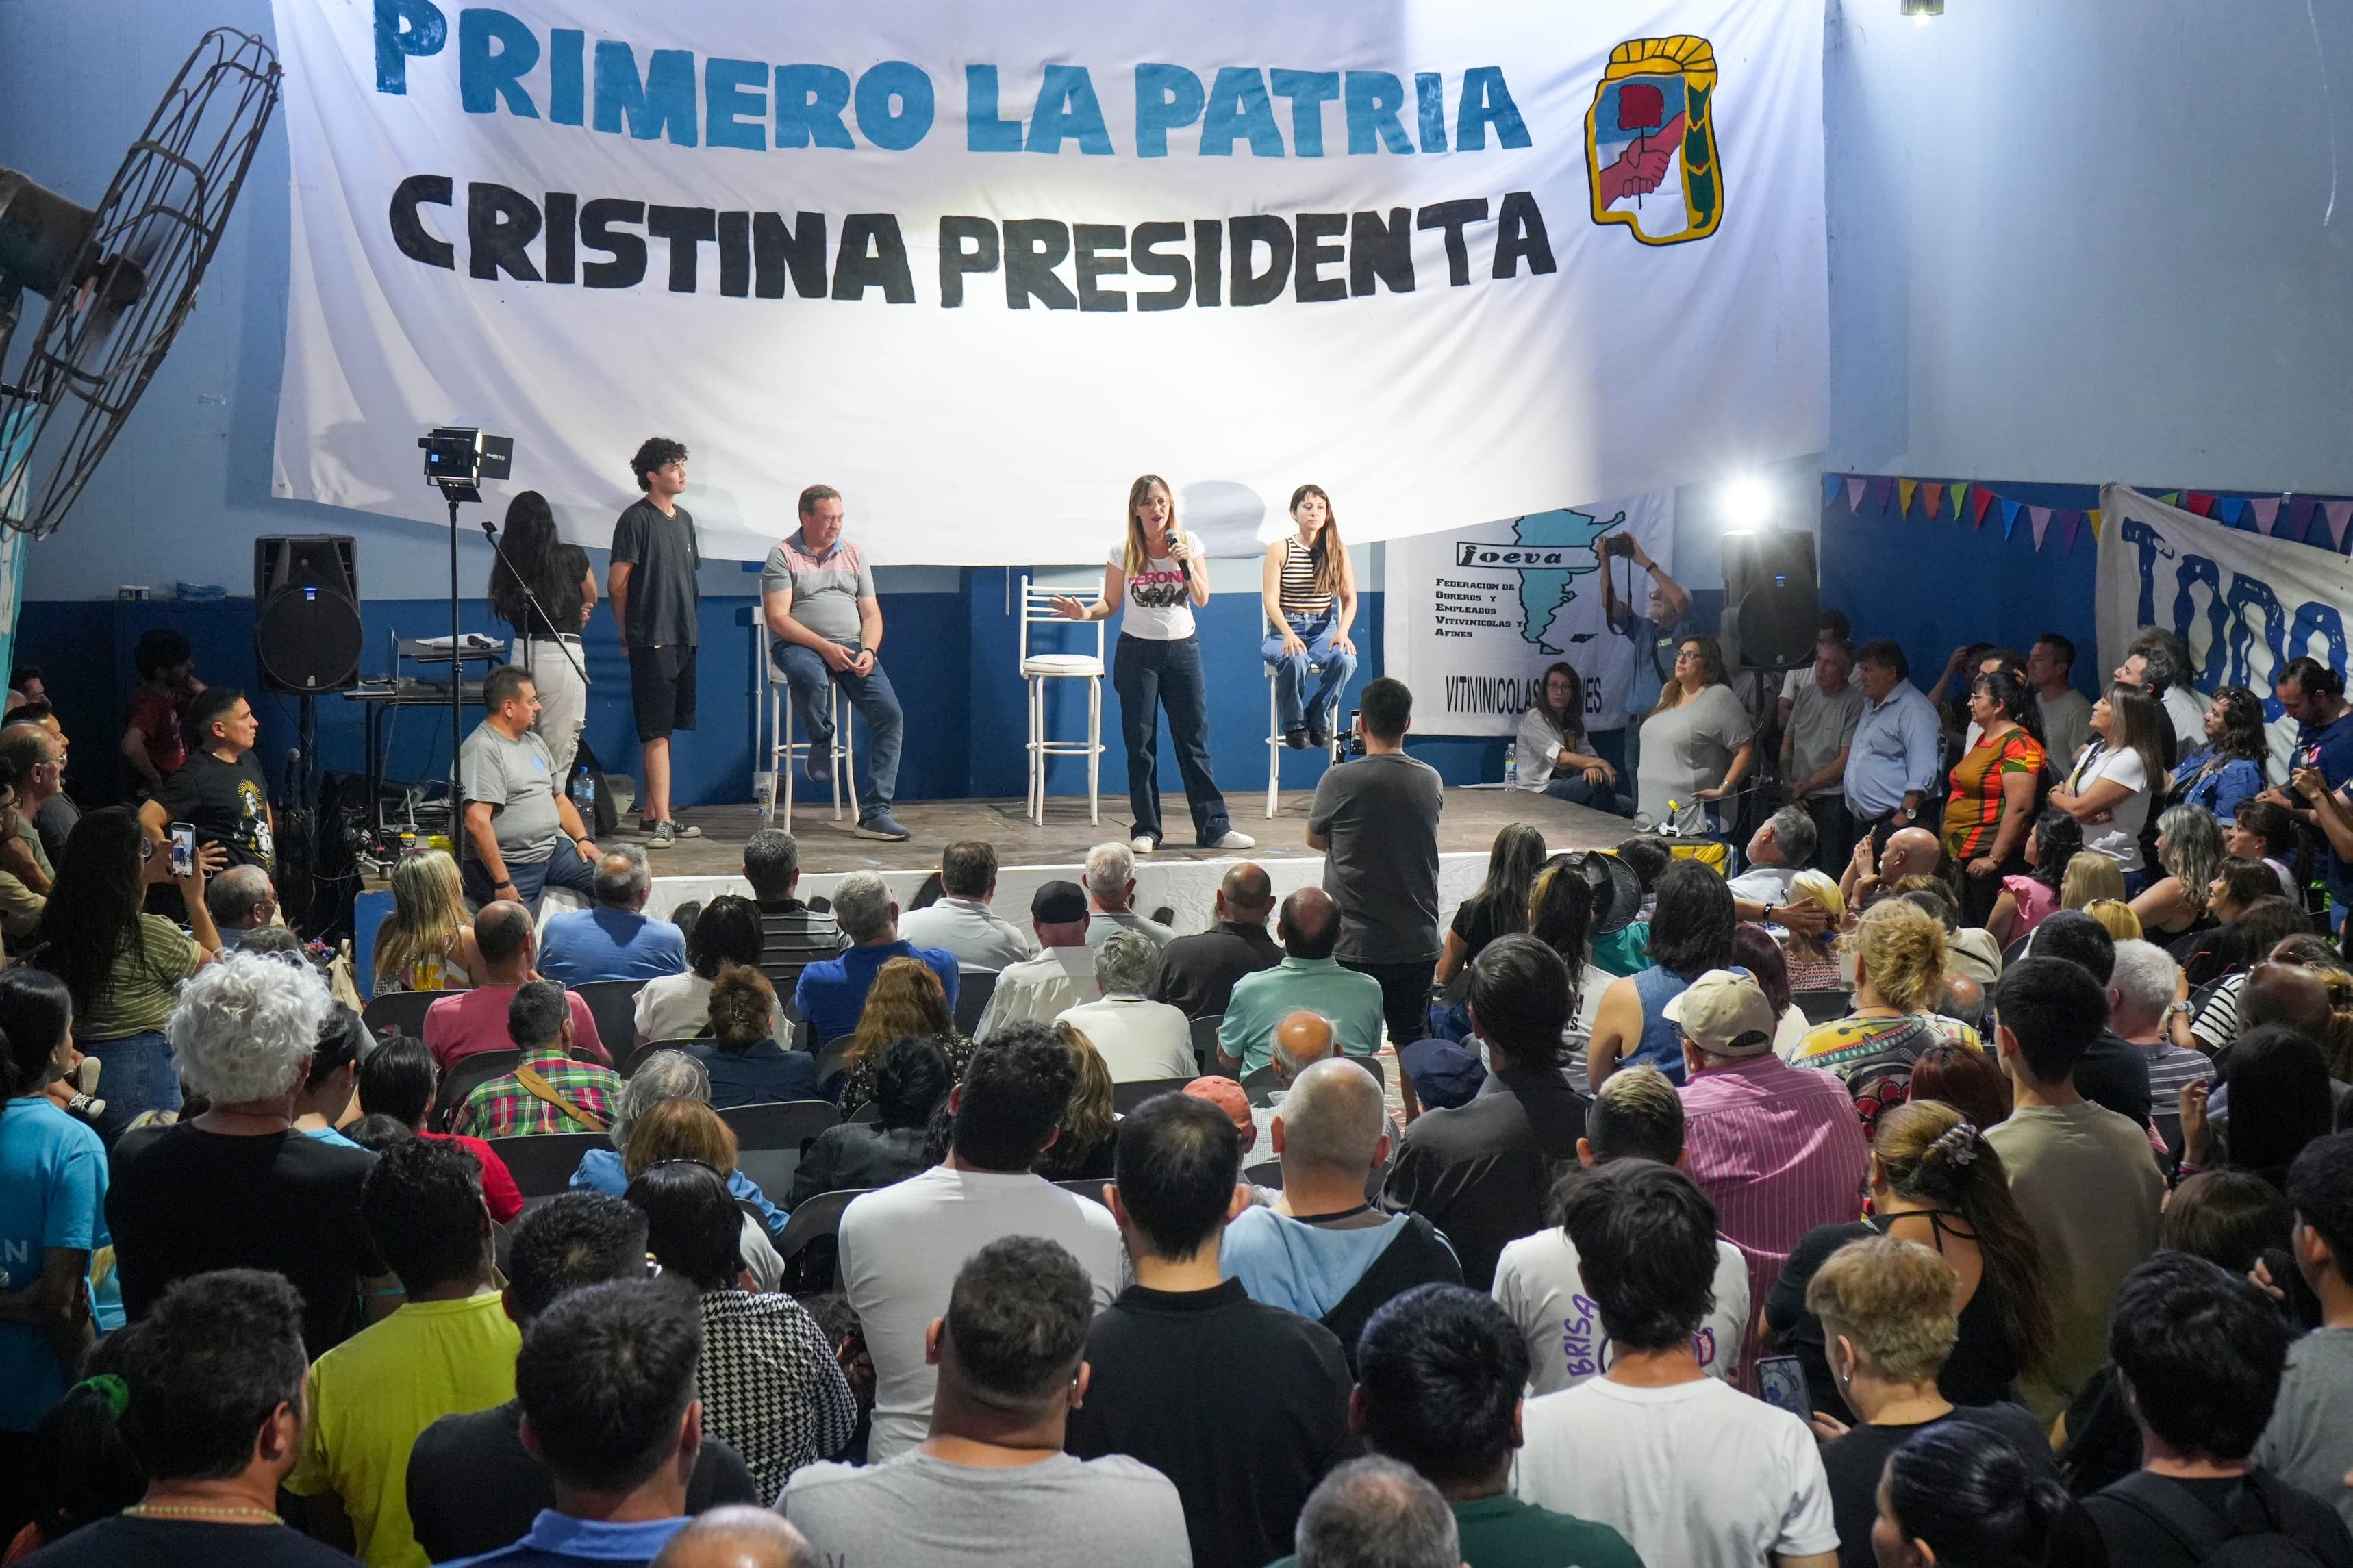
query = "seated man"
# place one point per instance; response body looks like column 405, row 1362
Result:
column 1374, row 1511
column 1483, row 1172
column 214, row 1416
column 54, row 812
column 1247, row 1446
column 472, row 1486
column 1061, row 975
column 831, row 992
column 614, row 940
column 991, row 1485
column 1439, row 1375
column 1688, row 1468
column 818, row 598
column 1908, row 852
column 901, row 1244
column 792, row 935
column 38, row 754
column 522, row 831
column 547, row 1091
column 1111, row 897
column 241, row 901
column 1322, row 1250
column 1197, row 972
column 220, row 789
column 1309, row 977
column 1139, row 1041
column 737, row 1537
column 2199, row 1353
column 448, row 1348
column 1780, row 848
column 962, row 923
column 464, row 1021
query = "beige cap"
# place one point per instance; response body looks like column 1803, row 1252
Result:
column 1724, row 1013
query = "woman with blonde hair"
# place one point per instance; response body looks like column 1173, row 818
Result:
column 2115, row 917
column 676, row 1130
column 1082, row 1150
column 906, row 999
column 663, row 1078
column 1698, row 744
column 2190, row 848
column 2090, row 877
column 1157, row 575
column 1901, row 959
column 1309, row 592
column 1812, row 966
column 426, row 943
column 1935, row 1180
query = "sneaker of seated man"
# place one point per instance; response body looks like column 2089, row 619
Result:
column 1062, row 976
column 615, row 939
column 1309, row 977
column 242, row 901
column 465, row 1022
column 547, row 1091
column 1111, row 897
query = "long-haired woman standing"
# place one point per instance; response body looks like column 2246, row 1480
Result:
column 1310, row 595
column 1159, row 574
column 547, row 635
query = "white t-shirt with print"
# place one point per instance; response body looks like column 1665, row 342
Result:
column 2118, row 837
column 1159, row 600
column 1697, row 1475
column 1537, row 1286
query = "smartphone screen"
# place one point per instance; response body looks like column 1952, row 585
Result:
column 184, row 849
column 1781, row 1383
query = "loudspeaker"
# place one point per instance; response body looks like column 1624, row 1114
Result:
column 1772, row 600
column 306, row 625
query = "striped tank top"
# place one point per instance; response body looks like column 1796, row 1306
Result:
column 1299, row 595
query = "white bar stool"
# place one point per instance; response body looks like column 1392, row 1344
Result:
column 785, row 754
column 1036, row 668
column 1275, row 747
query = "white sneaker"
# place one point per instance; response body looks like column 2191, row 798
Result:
column 1232, row 841
column 1142, row 845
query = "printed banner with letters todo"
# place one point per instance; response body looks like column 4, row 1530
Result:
column 978, row 265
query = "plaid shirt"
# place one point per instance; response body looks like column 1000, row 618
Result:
column 502, row 1107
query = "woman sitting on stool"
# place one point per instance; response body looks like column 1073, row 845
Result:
column 1553, row 758
column 1310, row 592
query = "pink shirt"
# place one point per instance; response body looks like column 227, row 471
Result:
column 1779, row 1151
column 2034, row 902
column 467, row 1022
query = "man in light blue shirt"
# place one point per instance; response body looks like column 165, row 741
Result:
column 1309, row 979
column 1898, row 754
column 616, row 940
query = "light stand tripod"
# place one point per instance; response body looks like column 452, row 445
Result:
column 458, row 459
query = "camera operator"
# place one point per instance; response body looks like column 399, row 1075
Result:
column 2314, row 696
column 1637, row 658
column 1376, row 819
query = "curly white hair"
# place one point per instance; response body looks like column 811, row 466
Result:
column 244, row 1027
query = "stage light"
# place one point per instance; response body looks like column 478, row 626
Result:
column 1921, row 10
column 1748, row 505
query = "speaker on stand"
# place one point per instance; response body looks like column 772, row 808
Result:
column 1772, row 609
column 307, row 639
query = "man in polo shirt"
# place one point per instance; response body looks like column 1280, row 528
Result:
column 1309, row 978
column 961, row 922
column 1896, row 756
column 462, row 1023
column 818, row 594
column 831, row 993
column 1062, row 976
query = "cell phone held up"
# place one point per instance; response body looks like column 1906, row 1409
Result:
column 184, row 849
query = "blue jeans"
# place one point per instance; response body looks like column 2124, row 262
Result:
column 1333, row 666
column 564, row 869
column 1150, row 674
column 1569, row 785
column 806, row 674
column 135, row 1075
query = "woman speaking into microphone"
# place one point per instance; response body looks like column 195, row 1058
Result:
column 1159, row 574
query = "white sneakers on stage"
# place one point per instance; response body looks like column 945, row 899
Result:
column 1143, row 845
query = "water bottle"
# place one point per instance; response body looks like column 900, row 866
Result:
column 1512, row 764
column 584, row 793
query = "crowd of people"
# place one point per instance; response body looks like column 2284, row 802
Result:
column 1947, row 1169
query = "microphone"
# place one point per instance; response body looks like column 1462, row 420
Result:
column 1171, row 538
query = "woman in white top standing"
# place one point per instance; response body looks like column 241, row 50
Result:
column 1698, row 744
column 2115, row 775
column 1159, row 574
column 1310, row 595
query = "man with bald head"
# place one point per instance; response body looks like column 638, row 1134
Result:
column 465, row 1022
column 1908, row 852
column 1310, row 979
column 1322, row 1250
column 1197, row 973
column 737, row 1537
column 1301, row 1040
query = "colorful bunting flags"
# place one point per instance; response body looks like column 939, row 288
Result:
column 1982, row 499
column 2198, row 501
column 1973, row 501
column 2010, row 510
column 2232, row 508
column 2299, row 513
column 1831, row 485
column 2070, row 523
column 1932, row 500
column 2339, row 513
column 2093, row 517
column 2266, row 510
column 1958, row 492
column 1855, row 486
column 2039, row 518
column 1881, row 489
column 1903, row 488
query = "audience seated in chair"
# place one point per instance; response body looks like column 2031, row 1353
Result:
column 546, row 1091
column 661, row 1078
column 910, row 1081
column 241, row 901
column 426, row 943
column 456, row 1027
column 906, row 1000
column 1111, row 897
column 961, row 922
column 1141, row 1041
column 321, row 1105
column 831, row 992
column 1246, row 1445
column 614, row 939
column 737, row 1537
column 1009, row 1350
column 792, row 934
column 398, row 1080
column 746, row 1065
column 902, row 1247
column 1197, row 973
column 1061, row 975
column 1308, row 977
column 1086, row 1141
column 472, row 1486
column 678, row 1006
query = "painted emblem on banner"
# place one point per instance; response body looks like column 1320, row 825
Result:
column 1549, row 550
column 1650, row 141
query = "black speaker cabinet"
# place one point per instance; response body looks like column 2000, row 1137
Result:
column 1772, row 600
column 306, row 625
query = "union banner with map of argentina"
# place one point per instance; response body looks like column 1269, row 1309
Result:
column 1471, row 618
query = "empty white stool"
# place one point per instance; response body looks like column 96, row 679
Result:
column 785, row 754
column 1274, row 743
column 1036, row 670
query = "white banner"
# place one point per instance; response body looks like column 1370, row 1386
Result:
column 1471, row 619
column 978, row 266
column 2247, row 603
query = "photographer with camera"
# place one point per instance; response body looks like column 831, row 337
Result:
column 1639, row 652
column 2314, row 696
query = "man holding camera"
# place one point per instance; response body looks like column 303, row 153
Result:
column 1638, row 658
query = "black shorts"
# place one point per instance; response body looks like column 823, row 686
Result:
column 662, row 690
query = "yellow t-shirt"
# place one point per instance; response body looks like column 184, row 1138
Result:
column 373, row 1394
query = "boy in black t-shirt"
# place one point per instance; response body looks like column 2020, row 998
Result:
column 220, row 789
column 651, row 584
